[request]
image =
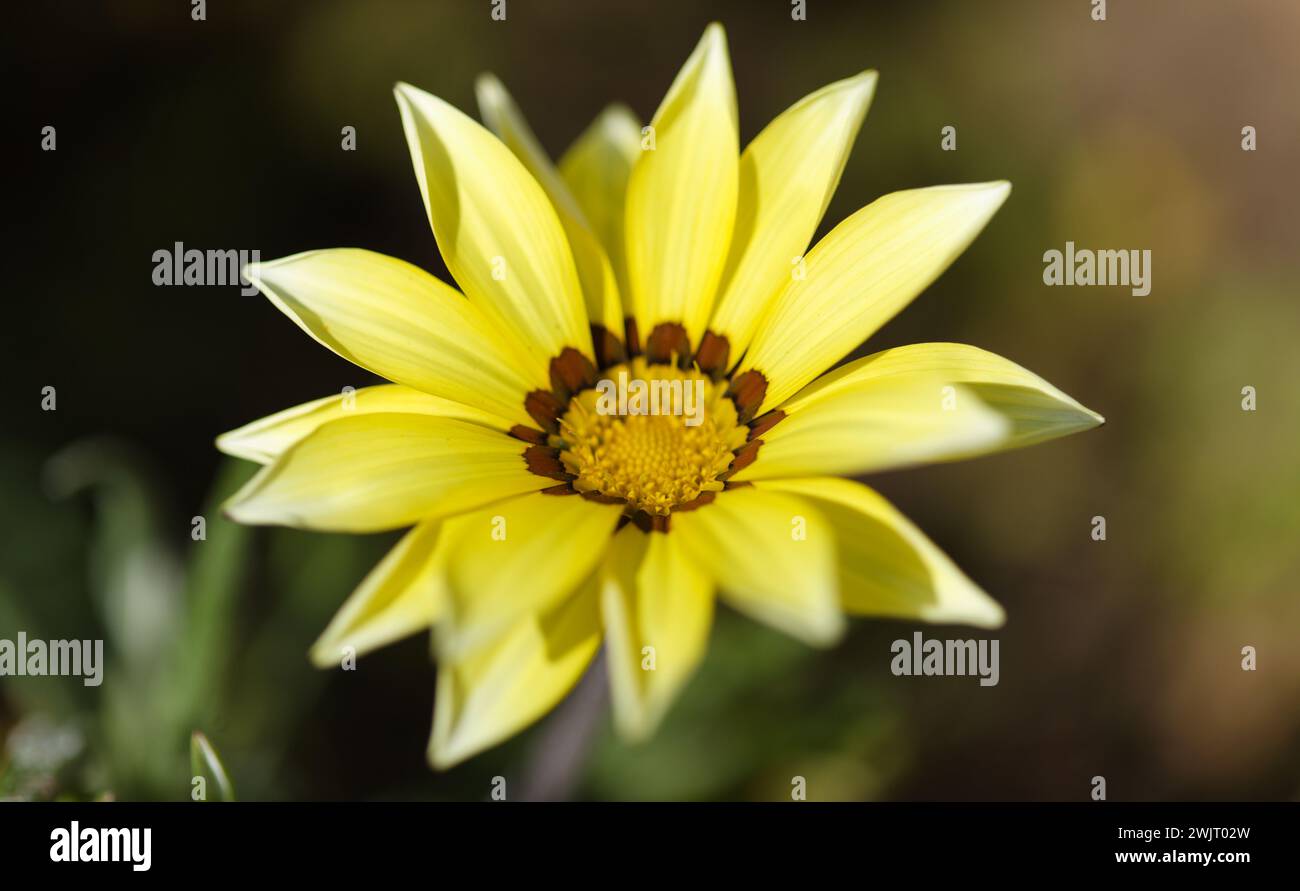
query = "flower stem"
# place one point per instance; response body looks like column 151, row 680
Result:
column 555, row 765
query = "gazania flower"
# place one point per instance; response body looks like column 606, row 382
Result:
column 543, row 527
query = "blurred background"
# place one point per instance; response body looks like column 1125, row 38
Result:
column 1120, row 658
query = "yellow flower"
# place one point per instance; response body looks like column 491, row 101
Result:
column 544, row 526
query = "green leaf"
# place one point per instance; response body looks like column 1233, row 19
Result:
column 216, row 575
column 206, row 765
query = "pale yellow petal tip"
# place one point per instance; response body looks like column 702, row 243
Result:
column 994, row 191
column 440, row 760
column 1000, row 618
column 236, row 510
column 618, row 117
column 263, row 272
column 408, row 96
column 991, row 615
column 980, row 201
column 865, row 81
column 445, row 754
column 252, row 272
column 436, row 753
column 1086, row 418
column 245, row 505
column 488, row 81
column 452, row 644
column 823, row 632
column 998, row 190
column 231, row 443
column 984, row 199
column 418, row 106
column 327, row 652
column 975, row 609
column 636, row 723
column 854, row 93
column 832, row 633
column 632, row 729
column 714, row 48
column 490, row 91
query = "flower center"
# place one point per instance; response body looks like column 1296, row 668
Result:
column 654, row 436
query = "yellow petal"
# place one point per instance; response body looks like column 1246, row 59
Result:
column 495, row 227
column 681, row 199
column 787, row 177
column 398, row 321
column 657, row 607
column 516, row 558
column 887, row 566
column 596, row 168
column 773, row 557
column 1035, row 410
column 863, row 272
column 399, row 597
column 599, row 288
column 878, row 425
column 266, row 439
column 383, row 471
column 509, row 684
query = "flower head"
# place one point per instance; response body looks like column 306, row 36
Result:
column 549, row 516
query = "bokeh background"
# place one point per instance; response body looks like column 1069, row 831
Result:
column 1120, row 658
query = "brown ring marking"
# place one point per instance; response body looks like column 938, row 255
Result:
column 697, row 502
column 668, row 339
column 544, row 408
column 650, row 522
column 602, row 498
column 528, row 434
column 745, row 456
column 571, row 372
column 631, row 337
column 608, row 348
column 546, row 462
column 747, row 391
column 713, row 354
column 759, row 426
